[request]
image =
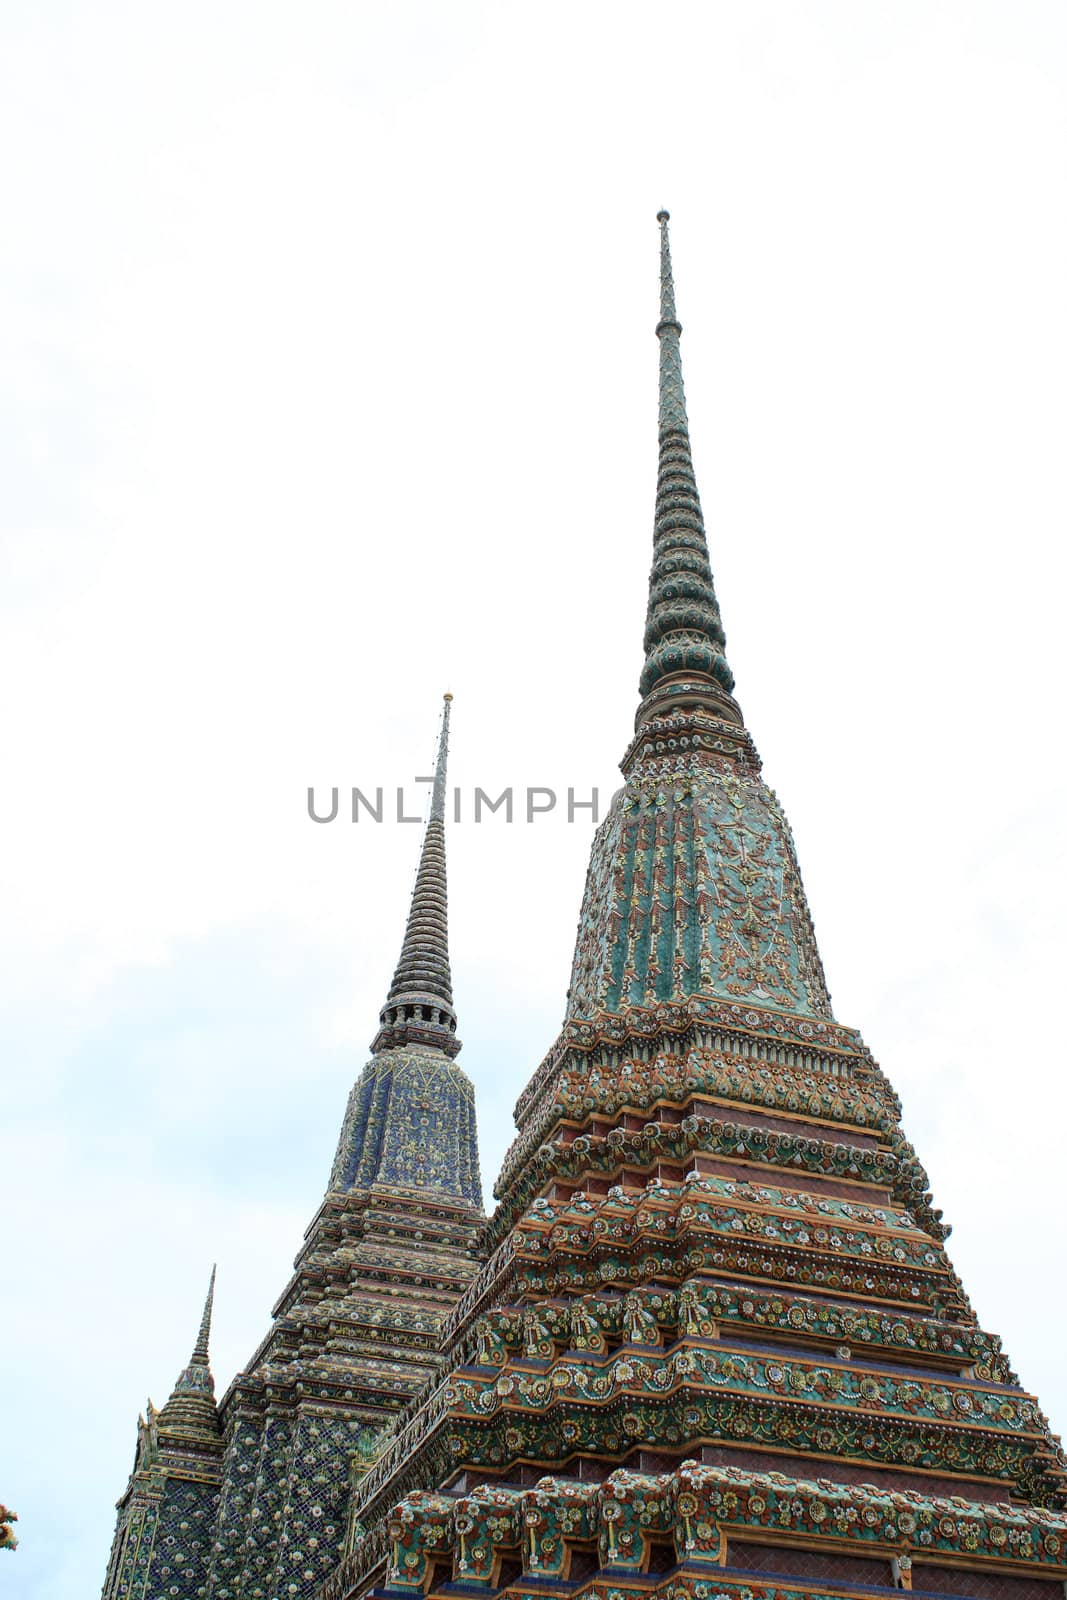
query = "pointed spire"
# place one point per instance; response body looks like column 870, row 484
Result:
column 440, row 775
column 419, row 1007
column 191, row 1409
column 200, row 1356
column 685, row 659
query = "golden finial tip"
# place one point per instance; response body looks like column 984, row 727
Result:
column 448, row 697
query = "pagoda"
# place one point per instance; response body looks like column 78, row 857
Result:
column 248, row 1499
column 717, row 1350
column 168, row 1509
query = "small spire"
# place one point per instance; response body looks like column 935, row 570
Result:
column 200, row 1355
column 685, row 659
column 191, row 1409
column 419, row 1007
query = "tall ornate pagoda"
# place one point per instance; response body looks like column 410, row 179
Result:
column 717, row 1349
column 356, row 1331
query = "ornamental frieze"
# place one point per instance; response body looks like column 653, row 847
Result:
column 768, row 1267
column 600, row 1087
column 739, row 1206
column 700, row 1509
column 704, row 1021
column 607, row 1087
column 702, row 1307
column 690, row 1249
column 693, row 1415
column 572, row 1381
column 623, row 1149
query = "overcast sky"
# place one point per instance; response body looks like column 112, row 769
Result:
column 328, row 379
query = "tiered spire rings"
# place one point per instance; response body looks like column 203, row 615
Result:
column 419, row 1007
column 685, row 646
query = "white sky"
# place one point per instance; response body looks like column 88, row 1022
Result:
column 329, row 384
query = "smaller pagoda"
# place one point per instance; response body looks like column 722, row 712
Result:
column 248, row 1502
column 172, row 1497
column 356, row 1331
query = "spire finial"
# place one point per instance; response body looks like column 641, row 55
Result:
column 685, row 658
column 437, row 803
column 667, row 313
column 419, row 1007
column 200, row 1348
